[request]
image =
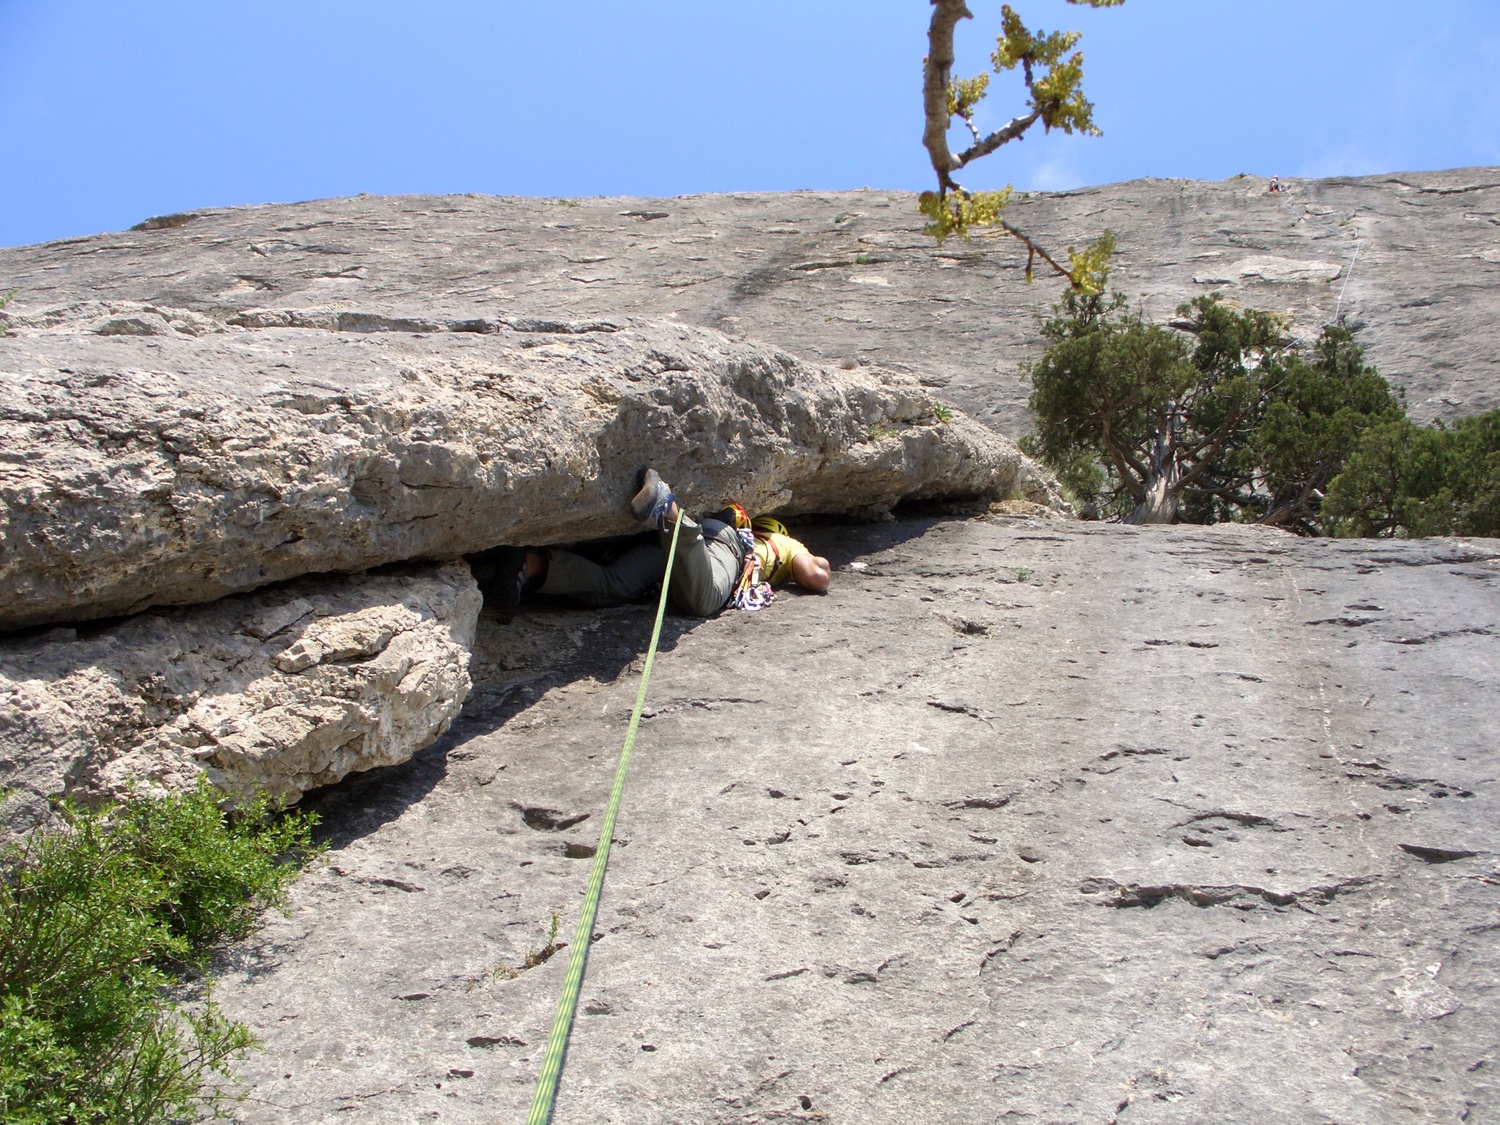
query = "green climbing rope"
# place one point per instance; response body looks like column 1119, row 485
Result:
column 567, row 1004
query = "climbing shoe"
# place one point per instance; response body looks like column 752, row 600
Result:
column 653, row 499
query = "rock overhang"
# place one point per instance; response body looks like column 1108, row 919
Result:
column 164, row 456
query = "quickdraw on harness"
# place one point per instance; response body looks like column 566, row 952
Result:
column 750, row 593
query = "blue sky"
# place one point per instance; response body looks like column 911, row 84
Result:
column 114, row 110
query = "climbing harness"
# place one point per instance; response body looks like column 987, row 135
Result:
column 567, row 1004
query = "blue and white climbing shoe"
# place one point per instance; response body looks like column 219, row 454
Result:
column 653, row 501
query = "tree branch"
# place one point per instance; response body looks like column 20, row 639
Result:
column 1212, row 444
column 937, row 78
column 1036, row 250
column 1134, row 483
column 1011, row 132
column 1298, row 510
column 937, row 73
column 1060, row 104
column 1229, row 492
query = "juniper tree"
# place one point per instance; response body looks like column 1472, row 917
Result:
column 1223, row 418
column 1401, row 479
column 1138, row 421
column 1053, row 75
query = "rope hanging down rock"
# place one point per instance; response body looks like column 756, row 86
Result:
column 567, row 1004
column 1338, row 306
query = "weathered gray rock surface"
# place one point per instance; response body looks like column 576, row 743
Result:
column 284, row 690
column 194, row 457
column 1023, row 821
column 844, row 276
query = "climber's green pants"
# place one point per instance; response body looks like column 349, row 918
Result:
column 709, row 556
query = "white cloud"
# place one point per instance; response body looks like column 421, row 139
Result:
column 1060, row 174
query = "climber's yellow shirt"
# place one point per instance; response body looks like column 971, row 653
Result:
column 776, row 553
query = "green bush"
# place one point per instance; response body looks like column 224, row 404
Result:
column 1224, row 419
column 99, row 914
column 216, row 872
column 1406, row 480
column 1316, row 413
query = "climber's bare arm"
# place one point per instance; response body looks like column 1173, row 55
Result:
column 812, row 572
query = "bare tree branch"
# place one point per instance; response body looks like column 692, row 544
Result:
column 937, row 74
column 1037, row 251
column 1011, row 132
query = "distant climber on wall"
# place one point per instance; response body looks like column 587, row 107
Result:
column 1275, row 184
column 722, row 560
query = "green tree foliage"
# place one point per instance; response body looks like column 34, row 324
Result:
column 1225, row 419
column 1131, row 415
column 1315, row 413
column 1052, row 72
column 96, row 913
column 1402, row 479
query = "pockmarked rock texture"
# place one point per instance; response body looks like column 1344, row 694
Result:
column 1411, row 260
column 157, row 456
column 283, row 690
column 1023, row 821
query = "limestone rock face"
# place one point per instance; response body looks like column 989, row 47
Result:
column 1411, row 260
column 1022, row 821
column 1194, row 823
column 284, row 690
column 159, row 456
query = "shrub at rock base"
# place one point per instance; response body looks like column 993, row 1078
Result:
column 96, row 911
column 1410, row 481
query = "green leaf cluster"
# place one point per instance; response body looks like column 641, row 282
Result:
column 99, row 914
column 966, row 93
column 1406, row 480
column 1058, row 94
column 1090, row 266
column 955, row 212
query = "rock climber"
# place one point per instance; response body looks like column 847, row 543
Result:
column 722, row 560
column 1275, row 184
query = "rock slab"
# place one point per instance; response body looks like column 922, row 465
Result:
column 1023, row 821
column 284, row 690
